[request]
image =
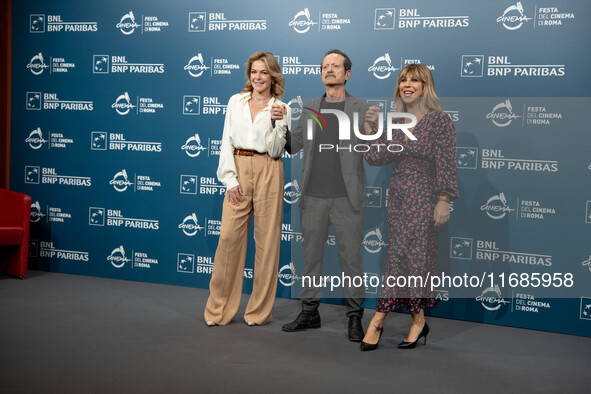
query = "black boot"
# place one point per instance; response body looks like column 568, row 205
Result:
column 355, row 329
column 306, row 319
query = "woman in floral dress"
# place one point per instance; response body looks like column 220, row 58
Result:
column 423, row 183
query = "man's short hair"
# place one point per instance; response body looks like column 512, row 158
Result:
column 347, row 64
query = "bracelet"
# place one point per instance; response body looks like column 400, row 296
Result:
column 444, row 198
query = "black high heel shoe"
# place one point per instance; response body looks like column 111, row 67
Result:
column 372, row 346
column 412, row 345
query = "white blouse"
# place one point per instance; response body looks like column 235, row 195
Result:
column 240, row 132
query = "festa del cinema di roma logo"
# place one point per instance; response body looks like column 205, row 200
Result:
column 345, row 129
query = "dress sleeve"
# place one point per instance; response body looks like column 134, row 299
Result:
column 227, row 173
column 446, row 182
column 275, row 140
column 379, row 155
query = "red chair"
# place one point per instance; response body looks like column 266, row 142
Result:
column 15, row 220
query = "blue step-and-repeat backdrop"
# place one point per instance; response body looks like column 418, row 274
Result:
column 118, row 108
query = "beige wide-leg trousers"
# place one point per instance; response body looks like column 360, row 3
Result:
column 261, row 179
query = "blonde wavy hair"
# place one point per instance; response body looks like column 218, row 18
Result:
column 278, row 82
column 429, row 98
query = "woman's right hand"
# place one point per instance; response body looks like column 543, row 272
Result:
column 371, row 120
column 235, row 195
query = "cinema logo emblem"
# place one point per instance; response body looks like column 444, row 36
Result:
column 190, row 225
column 297, row 106
column 382, row 67
column 36, row 213
column 374, row 241
column 192, row 146
column 287, row 275
column 502, row 114
column 117, row 257
column 127, row 24
column 491, row 299
column 196, row 67
column 496, row 207
column 513, row 17
column 37, row 64
column 120, row 181
column 302, row 22
column 292, row 192
column 35, row 139
column 123, row 104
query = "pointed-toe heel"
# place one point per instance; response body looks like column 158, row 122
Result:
column 372, row 346
column 412, row 345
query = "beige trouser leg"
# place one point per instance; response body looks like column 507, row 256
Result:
column 268, row 215
column 261, row 179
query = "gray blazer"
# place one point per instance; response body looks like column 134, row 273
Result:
column 351, row 162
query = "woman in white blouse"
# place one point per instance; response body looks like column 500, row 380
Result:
column 251, row 169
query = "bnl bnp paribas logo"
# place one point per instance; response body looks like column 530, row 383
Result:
column 302, row 21
column 206, row 105
column 513, row 17
column 39, row 23
column 384, row 19
column 467, row 157
column 472, row 66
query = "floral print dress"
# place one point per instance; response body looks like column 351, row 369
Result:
column 423, row 171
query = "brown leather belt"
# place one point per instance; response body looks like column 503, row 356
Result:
column 248, row 152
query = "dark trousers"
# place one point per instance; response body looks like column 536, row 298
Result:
column 317, row 215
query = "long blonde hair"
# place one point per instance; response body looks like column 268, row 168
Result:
column 278, row 82
column 429, row 99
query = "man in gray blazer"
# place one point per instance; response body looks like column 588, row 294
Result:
column 333, row 192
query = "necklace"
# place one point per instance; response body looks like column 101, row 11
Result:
column 261, row 99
